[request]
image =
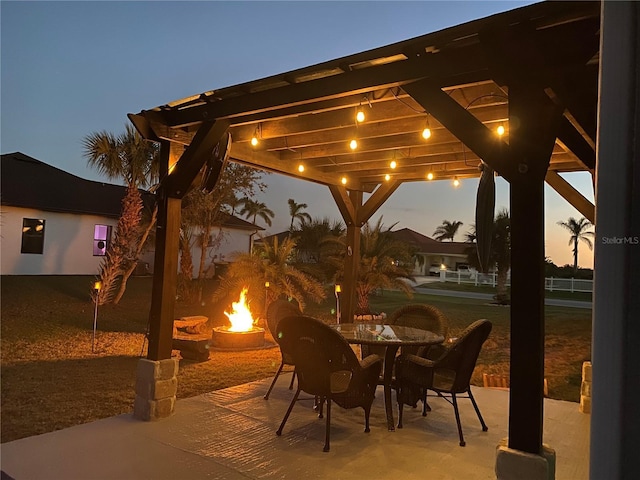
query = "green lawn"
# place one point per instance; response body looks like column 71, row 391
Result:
column 52, row 380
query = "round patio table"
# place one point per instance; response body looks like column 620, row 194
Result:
column 392, row 337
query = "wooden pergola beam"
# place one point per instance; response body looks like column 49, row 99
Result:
column 571, row 195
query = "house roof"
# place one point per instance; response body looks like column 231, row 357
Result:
column 428, row 245
column 29, row 183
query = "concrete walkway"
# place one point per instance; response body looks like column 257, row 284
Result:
column 230, row 434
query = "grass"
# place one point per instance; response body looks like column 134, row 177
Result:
column 52, row 380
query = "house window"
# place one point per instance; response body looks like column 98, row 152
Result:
column 32, row 235
column 101, row 240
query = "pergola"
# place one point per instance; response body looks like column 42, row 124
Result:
column 532, row 70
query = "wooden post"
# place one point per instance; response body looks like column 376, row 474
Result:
column 351, row 262
column 166, row 263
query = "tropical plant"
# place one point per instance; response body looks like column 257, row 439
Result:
column 130, row 158
column 253, row 209
column 316, row 244
column 233, row 202
column 447, row 230
column 384, row 263
column 578, row 228
column 271, row 262
column 296, row 212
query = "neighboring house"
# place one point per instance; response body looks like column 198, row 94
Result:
column 232, row 236
column 433, row 255
column 54, row 223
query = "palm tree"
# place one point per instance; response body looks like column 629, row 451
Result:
column 578, row 228
column 253, row 209
column 270, row 263
column 447, row 230
column 317, row 241
column 234, row 203
column 295, row 210
column 130, row 158
column 384, row 263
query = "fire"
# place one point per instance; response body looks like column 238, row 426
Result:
column 240, row 316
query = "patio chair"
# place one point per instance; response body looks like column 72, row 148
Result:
column 279, row 309
column 328, row 368
column 424, row 317
column 448, row 375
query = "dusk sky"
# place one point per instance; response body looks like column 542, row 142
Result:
column 72, row 68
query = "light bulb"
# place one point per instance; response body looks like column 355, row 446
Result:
column 343, row 180
column 500, row 130
column 254, row 141
column 360, row 116
column 429, row 176
column 387, row 177
column 393, row 164
column 426, row 133
column 301, row 168
column 353, row 144
column 456, row 182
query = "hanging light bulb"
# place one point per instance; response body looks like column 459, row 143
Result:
column 353, row 144
column 254, row 140
column 500, row 130
column 301, row 168
column 343, row 180
column 393, row 164
column 429, row 176
column 456, row 182
column 426, row 133
column 387, row 177
column 360, row 115
column 256, row 134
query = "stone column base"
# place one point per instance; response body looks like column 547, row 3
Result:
column 156, row 388
column 518, row 465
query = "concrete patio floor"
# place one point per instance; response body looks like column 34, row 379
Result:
column 230, row 434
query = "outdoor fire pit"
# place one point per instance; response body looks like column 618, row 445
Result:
column 242, row 334
column 227, row 339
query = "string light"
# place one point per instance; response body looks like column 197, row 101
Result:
column 387, row 177
column 500, row 130
column 256, row 133
column 360, row 116
column 343, row 180
column 301, row 168
column 353, row 144
column 456, row 182
column 429, row 176
column 426, row 133
column 393, row 164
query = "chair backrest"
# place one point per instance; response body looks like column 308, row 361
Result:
column 462, row 355
column 277, row 310
column 421, row 315
column 324, row 360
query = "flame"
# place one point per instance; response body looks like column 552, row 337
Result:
column 240, row 316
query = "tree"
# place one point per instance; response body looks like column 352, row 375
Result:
column 384, row 263
column 272, row 262
column 253, row 209
column 130, row 158
column 578, row 228
column 447, row 230
column 316, row 244
column 234, row 202
column 295, row 210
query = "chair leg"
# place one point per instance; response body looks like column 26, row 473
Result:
column 319, row 401
column 328, row 427
column 455, row 408
column 475, row 405
column 286, row 415
column 425, row 405
column 399, row 393
column 293, row 377
column 367, row 412
column 273, row 382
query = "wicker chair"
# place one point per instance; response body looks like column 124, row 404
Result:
column 422, row 316
column 448, row 375
column 277, row 311
column 328, row 368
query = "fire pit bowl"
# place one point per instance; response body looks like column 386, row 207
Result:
column 225, row 339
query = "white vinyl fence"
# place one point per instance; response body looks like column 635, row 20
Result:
column 552, row 284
